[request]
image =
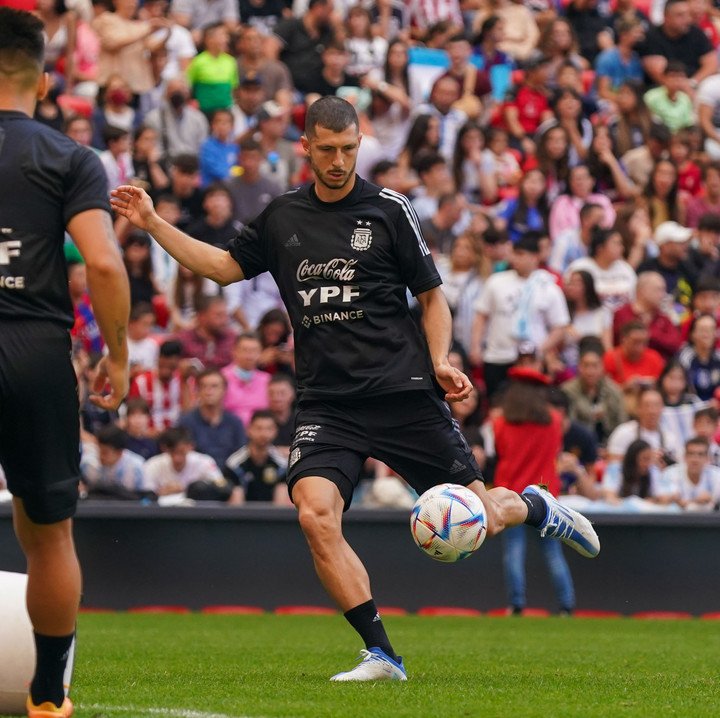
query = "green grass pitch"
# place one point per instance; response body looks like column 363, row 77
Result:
column 200, row 666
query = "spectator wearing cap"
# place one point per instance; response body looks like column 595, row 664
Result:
column 614, row 278
column 678, row 39
column 281, row 163
column 530, row 106
column 616, row 65
column 668, row 103
column 298, row 43
column 180, row 127
column 650, row 294
column 252, row 62
column 520, row 304
column 709, row 201
column 248, row 99
column 673, row 242
column 219, row 151
column 213, row 73
column 250, row 191
column 704, row 253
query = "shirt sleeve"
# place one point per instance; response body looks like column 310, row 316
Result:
column 417, row 267
column 86, row 185
column 249, row 248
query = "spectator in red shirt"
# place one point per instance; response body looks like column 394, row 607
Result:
column 648, row 308
column 163, row 388
column 530, row 107
column 528, row 439
column 212, row 340
column 633, row 362
column 709, row 200
column 689, row 174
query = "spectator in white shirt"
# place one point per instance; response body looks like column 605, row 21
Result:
column 179, row 466
column 142, row 348
column 693, row 484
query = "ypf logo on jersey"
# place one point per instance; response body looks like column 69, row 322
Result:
column 362, row 236
column 9, row 249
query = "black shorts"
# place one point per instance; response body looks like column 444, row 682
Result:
column 39, row 419
column 413, row 432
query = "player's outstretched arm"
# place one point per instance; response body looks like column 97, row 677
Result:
column 93, row 234
column 437, row 323
column 201, row 258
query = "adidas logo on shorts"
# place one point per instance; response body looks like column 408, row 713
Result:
column 457, row 467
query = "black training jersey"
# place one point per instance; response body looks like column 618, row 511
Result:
column 343, row 269
column 45, row 180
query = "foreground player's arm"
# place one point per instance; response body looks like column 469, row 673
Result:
column 201, row 258
column 437, row 323
column 109, row 289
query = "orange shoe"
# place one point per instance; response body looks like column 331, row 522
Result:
column 49, row 710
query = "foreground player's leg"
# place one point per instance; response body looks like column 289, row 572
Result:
column 53, row 597
column 540, row 509
column 320, row 509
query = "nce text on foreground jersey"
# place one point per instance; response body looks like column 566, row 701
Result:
column 342, row 269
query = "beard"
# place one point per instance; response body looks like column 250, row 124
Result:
column 333, row 182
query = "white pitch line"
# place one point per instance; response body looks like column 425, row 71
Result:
column 169, row 712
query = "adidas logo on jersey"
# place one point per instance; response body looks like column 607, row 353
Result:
column 457, row 467
column 293, row 241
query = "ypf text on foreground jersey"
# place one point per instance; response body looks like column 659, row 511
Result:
column 45, row 180
column 343, row 269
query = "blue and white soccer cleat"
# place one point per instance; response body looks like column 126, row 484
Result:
column 567, row 525
column 375, row 665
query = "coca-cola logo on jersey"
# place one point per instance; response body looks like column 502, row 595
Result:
column 341, row 270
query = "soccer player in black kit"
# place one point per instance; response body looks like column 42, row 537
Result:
column 48, row 184
column 343, row 253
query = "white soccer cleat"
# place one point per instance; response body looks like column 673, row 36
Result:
column 375, row 665
column 566, row 524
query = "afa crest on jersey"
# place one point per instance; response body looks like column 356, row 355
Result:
column 361, row 238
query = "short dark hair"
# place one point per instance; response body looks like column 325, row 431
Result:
column 245, row 336
column 186, row 163
column 220, row 111
column 259, row 414
column 381, row 168
column 112, row 436
column 217, row 188
column 587, row 208
column 167, row 198
column 670, row 3
column 429, row 161
column 332, row 113
column 22, row 46
column 203, row 302
column 591, row 344
column 250, row 145
column 211, row 371
column 173, row 436
column 634, row 325
column 70, row 121
column 113, row 134
column 137, row 405
column 140, row 310
column 697, row 441
column 171, row 348
column 660, row 133
column 709, row 412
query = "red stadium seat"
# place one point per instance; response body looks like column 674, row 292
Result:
column 437, row 611
column 711, row 616
column 159, row 609
column 305, row 611
column 233, row 610
column 663, row 615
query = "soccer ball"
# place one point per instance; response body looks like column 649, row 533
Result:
column 448, row 522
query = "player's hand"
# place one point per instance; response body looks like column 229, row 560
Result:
column 117, row 374
column 457, row 386
column 133, row 203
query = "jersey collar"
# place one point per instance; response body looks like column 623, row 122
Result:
column 348, row 200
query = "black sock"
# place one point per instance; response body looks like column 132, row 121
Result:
column 52, row 658
column 366, row 620
column 537, row 510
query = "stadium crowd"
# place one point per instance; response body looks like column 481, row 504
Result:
column 563, row 159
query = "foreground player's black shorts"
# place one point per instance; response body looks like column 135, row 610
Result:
column 412, row 432
column 39, row 419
